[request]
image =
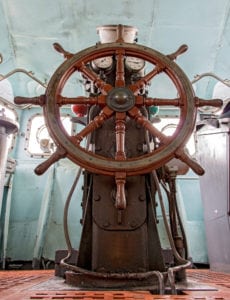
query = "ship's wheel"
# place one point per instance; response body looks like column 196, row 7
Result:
column 121, row 101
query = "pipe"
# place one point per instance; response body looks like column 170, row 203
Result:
column 179, row 218
column 6, row 222
column 7, row 127
column 66, row 209
column 183, row 262
column 28, row 73
column 43, row 220
column 210, row 74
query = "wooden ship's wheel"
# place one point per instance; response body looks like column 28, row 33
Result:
column 121, row 100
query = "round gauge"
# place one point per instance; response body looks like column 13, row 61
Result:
column 134, row 63
column 103, row 63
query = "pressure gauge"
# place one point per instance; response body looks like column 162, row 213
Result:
column 134, row 64
column 103, row 63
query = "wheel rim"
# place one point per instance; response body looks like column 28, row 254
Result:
column 103, row 165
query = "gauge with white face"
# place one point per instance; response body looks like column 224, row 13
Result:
column 102, row 63
column 134, row 63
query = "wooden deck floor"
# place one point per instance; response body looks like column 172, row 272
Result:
column 39, row 284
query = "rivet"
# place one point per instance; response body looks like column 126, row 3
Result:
column 97, row 198
column 141, row 198
column 139, row 147
column 133, row 224
column 106, row 224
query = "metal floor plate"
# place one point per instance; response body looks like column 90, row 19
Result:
column 25, row 285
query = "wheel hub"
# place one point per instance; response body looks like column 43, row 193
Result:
column 120, row 99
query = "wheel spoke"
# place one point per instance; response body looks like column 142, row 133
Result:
column 158, row 63
column 179, row 51
column 105, row 113
column 58, row 154
column 40, row 100
column 99, row 83
column 120, row 70
column 162, row 102
column 77, row 100
column 183, row 156
column 143, row 121
column 61, row 50
column 145, row 80
column 203, row 102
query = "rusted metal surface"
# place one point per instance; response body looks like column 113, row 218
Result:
column 122, row 239
column 26, row 285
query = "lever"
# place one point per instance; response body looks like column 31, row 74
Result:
column 120, row 202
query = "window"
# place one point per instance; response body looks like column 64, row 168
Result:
column 38, row 141
column 8, row 112
column 168, row 125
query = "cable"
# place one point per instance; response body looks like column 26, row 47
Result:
column 66, row 209
column 184, row 263
column 179, row 219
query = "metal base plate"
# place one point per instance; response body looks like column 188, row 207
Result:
column 59, row 284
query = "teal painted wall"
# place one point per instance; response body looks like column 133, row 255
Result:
column 37, row 205
column 37, row 197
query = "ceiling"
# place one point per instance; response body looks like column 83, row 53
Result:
column 29, row 29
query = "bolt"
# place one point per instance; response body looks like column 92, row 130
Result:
column 139, row 147
column 97, row 198
column 141, row 198
column 133, row 224
column 106, row 224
